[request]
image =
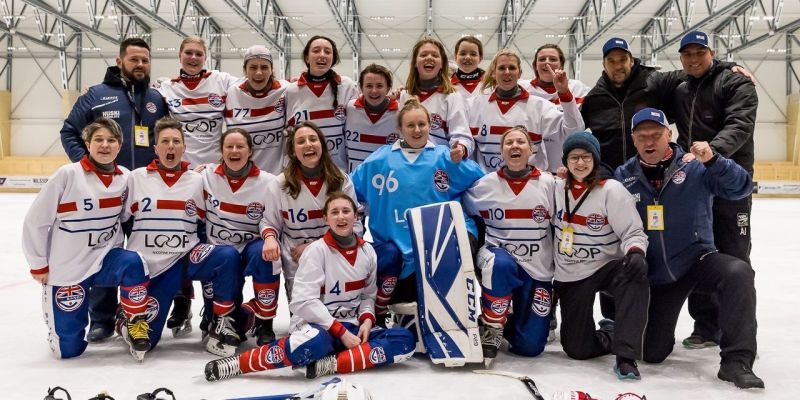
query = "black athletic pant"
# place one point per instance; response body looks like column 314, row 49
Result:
column 630, row 289
column 102, row 306
column 732, row 237
column 732, row 280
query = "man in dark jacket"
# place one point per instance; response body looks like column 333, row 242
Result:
column 126, row 97
column 673, row 198
column 717, row 106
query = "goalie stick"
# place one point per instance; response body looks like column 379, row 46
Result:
column 292, row 396
column 526, row 380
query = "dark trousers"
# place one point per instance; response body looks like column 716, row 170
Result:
column 630, row 289
column 102, row 305
column 732, row 237
column 732, row 280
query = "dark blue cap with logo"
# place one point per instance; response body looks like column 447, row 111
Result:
column 649, row 114
column 616, row 43
column 694, row 37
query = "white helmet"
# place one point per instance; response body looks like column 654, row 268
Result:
column 344, row 390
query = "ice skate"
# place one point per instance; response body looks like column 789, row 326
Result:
column 323, row 366
column 222, row 368
column 136, row 333
column 263, row 332
column 180, row 320
column 491, row 339
column 222, row 337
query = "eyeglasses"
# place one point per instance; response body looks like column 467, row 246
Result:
column 587, row 158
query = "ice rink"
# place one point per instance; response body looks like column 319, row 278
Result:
column 28, row 368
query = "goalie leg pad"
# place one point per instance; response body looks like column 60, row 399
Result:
column 406, row 316
column 446, row 283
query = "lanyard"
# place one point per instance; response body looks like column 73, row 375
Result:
column 137, row 107
column 569, row 213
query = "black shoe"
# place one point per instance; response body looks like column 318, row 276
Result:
column 99, row 331
column 180, row 320
column 625, row 368
column 263, row 331
column 696, row 341
column 740, row 374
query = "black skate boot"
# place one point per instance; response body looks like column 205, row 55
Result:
column 263, row 332
column 222, row 337
column 180, row 320
column 222, row 368
column 323, row 366
column 491, row 339
column 136, row 333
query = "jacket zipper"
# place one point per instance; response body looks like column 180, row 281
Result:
column 667, row 180
column 691, row 112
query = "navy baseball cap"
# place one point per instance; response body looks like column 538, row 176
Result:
column 649, row 114
column 616, row 43
column 694, row 37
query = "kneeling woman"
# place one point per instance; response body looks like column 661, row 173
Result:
column 165, row 206
column 72, row 240
column 333, row 310
column 516, row 202
column 600, row 247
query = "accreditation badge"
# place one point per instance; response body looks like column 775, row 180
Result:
column 567, row 240
column 141, row 136
column 655, row 217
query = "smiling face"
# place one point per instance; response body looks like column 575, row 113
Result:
column 340, row 216
column 696, row 59
column 506, row 72
column 651, row 140
column 415, row 127
column 374, row 88
column 235, row 151
column 468, row 57
column 428, row 61
column 546, row 57
column 170, row 147
column 307, row 147
column 580, row 163
column 320, row 57
column 618, row 65
column 192, row 57
column 103, row 146
column 516, row 150
column 258, row 71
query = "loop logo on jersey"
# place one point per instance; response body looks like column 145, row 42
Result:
column 630, row 396
column 441, row 181
column 340, row 112
column 215, row 100
column 70, row 298
column 541, row 302
column 152, row 309
column 392, row 137
column 255, row 210
column 266, row 297
column 200, row 252
column 137, row 294
column 500, row 306
column 190, row 208
column 540, row 214
column 377, row 355
column 275, row 355
column 151, row 107
column 388, row 285
column 679, row 177
column 595, row 222
column 436, row 121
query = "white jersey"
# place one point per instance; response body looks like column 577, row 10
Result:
column 166, row 207
column 200, row 111
column 298, row 221
column 468, row 88
column 74, row 222
column 517, row 214
column 554, row 144
column 264, row 118
column 449, row 123
column 313, row 101
column 334, row 284
column 490, row 117
column 365, row 132
column 606, row 226
column 234, row 207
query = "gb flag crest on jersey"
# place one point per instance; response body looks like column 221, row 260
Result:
column 446, row 283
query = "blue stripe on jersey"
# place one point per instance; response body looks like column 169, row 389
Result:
column 307, row 227
column 198, row 112
column 517, row 229
column 86, row 230
column 596, row 244
column 164, row 230
column 231, row 125
column 331, row 126
column 343, row 301
column 355, row 149
column 90, row 219
column 489, row 152
column 301, row 237
column 164, row 219
column 209, row 212
column 278, row 129
column 517, row 240
column 438, row 137
column 231, row 229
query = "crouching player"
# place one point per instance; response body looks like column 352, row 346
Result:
column 333, row 310
column 165, row 207
column 516, row 263
column 72, row 241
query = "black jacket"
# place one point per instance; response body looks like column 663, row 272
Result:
column 607, row 110
column 719, row 108
column 112, row 99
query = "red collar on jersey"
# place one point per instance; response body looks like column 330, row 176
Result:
column 349, row 253
column 537, row 83
column 506, row 105
column 314, row 185
column 236, row 183
column 260, row 94
column 316, row 87
column 470, row 85
column 424, row 94
column 104, row 177
column 375, row 117
column 169, row 176
column 191, row 82
column 517, row 184
column 577, row 188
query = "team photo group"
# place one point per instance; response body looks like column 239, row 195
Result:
column 523, row 198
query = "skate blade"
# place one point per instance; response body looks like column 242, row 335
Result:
column 216, row 348
column 184, row 330
column 138, row 355
column 487, row 362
